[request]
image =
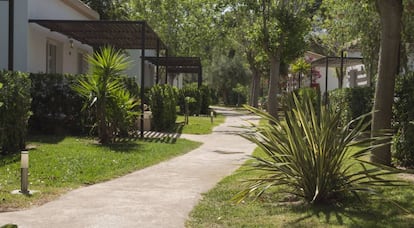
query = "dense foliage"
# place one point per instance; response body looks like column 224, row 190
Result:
column 310, row 155
column 194, row 107
column 105, row 95
column 351, row 102
column 163, row 102
column 404, row 120
column 14, row 111
column 56, row 107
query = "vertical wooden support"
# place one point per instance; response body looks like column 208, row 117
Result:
column 11, row 36
column 157, row 79
column 143, row 25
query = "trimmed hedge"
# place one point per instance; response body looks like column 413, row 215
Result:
column 14, row 111
column 56, row 107
column 194, row 107
column 163, row 102
column 203, row 96
column 404, row 120
column 352, row 102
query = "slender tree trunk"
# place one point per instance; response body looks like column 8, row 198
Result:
column 390, row 12
column 255, row 88
column 274, row 80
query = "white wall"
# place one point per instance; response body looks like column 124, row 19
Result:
column 4, row 31
column 53, row 9
column 332, row 79
column 135, row 67
column 20, row 35
column 68, row 61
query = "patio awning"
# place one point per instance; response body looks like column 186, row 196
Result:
column 335, row 61
column 179, row 65
column 121, row 34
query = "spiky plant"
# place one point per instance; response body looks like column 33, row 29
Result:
column 107, row 64
column 310, row 154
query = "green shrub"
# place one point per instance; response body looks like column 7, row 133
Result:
column 163, row 102
column 15, row 110
column 205, row 99
column 194, row 107
column 311, row 155
column 56, row 107
column 403, row 120
column 351, row 102
column 313, row 93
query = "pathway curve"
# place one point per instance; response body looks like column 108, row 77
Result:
column 158, row 196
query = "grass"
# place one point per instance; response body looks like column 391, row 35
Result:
column 276, row 209
column 60, row 164
column 200, row 125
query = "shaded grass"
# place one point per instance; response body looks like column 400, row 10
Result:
column 277, row 209
column 199, row 125
column 72, row 162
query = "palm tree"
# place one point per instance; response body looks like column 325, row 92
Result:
column 101, row 84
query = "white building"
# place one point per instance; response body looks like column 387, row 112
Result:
column 37, row 49
column 43, row 44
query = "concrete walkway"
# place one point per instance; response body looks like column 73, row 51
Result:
column 158, row 196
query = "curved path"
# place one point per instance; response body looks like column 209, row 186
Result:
column 158, row 196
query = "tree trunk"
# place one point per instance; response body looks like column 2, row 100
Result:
column 390, row 12
column 255, row 88
column 272, row 105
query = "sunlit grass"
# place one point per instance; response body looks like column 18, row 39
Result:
column 60, row 164
column 200, row 125
column 276, row 209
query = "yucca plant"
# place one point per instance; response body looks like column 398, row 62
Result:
column 102, row 84
column 309, row 152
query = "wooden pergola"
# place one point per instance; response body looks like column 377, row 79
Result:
column 124, row 35
column 178, row 65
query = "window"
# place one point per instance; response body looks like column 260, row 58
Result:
column 51, row 57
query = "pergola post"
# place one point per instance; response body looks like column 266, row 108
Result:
column 200, row 76
column 157, row 79
column 142, row 78
column 166, row 70
column 11, row 36
column 342, row 67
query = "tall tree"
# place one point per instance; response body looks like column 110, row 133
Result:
column 111, row 9
column 390, row 12
column 284, row 25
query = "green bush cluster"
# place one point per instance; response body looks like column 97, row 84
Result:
column 352, row 102
column 194, row 107
column 163, row 102
column 14, row 111
column 403, row 120
column 203, row 97
column 312, row 93
column 56, row 107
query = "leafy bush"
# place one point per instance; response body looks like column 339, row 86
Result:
column 15, row 110
column 56, row 107
column 403, row 120
column 194, row 107
column 163, row 102
column 352, row 102
column 205, row 99
column 311, row 154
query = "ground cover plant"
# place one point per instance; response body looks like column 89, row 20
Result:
column 60, row 164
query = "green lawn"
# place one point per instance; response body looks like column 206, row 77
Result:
column 199, row 125
column 60, row 164
column 275, row 209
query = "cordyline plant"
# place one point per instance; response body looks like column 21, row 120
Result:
column 102, row 89
column 311, row 154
